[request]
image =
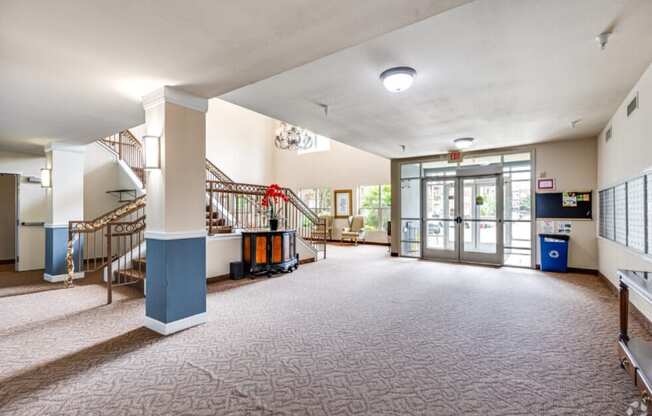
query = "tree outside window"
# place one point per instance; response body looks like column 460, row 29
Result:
column 319, row 200
column 374, row 204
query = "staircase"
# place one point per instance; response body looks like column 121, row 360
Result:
column 114, row 242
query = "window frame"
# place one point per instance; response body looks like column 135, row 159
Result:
column 320, row 192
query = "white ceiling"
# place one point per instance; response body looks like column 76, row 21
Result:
column 74, row 70
column 507, row 72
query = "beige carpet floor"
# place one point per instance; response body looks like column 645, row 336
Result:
column 357, row 334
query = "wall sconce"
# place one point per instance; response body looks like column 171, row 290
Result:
column 152, row 152
column 46, row 178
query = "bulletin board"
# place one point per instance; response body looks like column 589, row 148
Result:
column 575, row 205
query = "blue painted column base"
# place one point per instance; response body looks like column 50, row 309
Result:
column 56, row 246
column 175, row 284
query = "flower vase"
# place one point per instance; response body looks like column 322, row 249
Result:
column 273, row 224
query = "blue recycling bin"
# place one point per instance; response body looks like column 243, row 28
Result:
column 554, row 252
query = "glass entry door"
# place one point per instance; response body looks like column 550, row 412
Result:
column 440, row 219
column 463, row 219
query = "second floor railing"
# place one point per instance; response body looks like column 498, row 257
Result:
column 129, row 149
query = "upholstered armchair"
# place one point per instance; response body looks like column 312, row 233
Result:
column 355, row 231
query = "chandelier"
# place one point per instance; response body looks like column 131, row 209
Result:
column 290, row 137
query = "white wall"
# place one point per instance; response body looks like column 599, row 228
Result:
column 240, row 142
column 221, row 250
column 626, row 155
column 101, row 174
column 573, row 164
column 32, row 202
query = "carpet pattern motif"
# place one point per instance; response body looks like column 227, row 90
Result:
column 357, row 334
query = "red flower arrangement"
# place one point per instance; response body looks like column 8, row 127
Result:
column 273, row 196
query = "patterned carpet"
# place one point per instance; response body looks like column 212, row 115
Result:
column 357, row 334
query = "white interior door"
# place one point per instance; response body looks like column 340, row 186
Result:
column 32, row 212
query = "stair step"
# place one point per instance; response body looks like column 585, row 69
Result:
column 130, row 274
column 139, row 264
column 218, row 222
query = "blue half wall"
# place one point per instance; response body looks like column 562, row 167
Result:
column 56, row 245
column 176, row 279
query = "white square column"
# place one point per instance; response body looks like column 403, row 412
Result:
column 176, row 212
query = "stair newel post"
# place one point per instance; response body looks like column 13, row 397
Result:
column 109, row 266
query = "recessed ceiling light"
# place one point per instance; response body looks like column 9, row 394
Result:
column 463, row 143
column 398, row 79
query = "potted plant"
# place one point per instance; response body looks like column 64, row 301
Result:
column 272, row 202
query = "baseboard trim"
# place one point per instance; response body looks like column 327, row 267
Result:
column 8, row 261
column 373, row 243
column 219, row 278
column 57, row 278
column 175, row 326
column 577, row 270
column 307, row 260
column 633, row 310
column 394, row 254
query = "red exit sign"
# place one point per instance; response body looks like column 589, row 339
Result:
column 454, row 156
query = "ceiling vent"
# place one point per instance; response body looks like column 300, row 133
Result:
column 608, row 134
column 632, row 106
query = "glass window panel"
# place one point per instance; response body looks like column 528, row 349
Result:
column 411, row 198
column 516, row 157
column 411, row 170
column 410, row 249
column 439, row 168
column 621, row 213
column 518, row 257
column 309, row 196
column 386, row 196
column 369, row 196
column 440, row 235
column 518, row 200
column 371, row 218
column 636, row 214
column 517, row 234
column 480, row 160
column 411, row 231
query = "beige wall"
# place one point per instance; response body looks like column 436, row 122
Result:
column 573, row 163
column 626, row 155
column 7, row 216
column 101, row 174
column 239, row 142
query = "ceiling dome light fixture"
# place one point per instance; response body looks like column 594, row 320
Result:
column 463, row 142
column 398, row 79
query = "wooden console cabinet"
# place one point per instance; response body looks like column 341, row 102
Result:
column 269, row 252
column 635, row 354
